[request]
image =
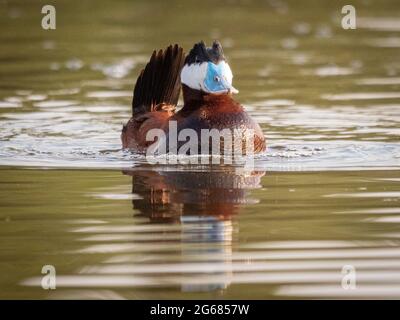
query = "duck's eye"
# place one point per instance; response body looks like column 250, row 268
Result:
column 217, row 79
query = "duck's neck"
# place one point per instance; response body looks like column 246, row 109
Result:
column 193, row 99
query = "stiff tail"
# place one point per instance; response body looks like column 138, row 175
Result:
column 159, row 82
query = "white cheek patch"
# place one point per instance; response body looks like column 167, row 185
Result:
column 193, row 75
column 227, row 72
column 201, row 76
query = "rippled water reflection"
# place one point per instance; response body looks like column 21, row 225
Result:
column 149, row 234
column 325, row 194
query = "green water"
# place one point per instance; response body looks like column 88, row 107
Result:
column 325, row 195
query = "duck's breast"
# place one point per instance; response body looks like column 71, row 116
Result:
column 224, row 116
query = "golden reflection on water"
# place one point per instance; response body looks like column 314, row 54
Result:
column 186, row 236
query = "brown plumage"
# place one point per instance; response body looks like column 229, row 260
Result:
column 155, row 99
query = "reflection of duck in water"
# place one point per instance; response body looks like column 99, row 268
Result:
column 203, row 203
column 166, row 195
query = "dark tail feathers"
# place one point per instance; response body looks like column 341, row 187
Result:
column 159, row 81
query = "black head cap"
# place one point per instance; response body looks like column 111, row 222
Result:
column 200, row 53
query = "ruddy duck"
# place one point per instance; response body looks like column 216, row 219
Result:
column 206, row 81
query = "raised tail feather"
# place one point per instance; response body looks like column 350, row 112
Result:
column 159, row 82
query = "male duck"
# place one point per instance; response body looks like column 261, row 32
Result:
column 206, row 81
